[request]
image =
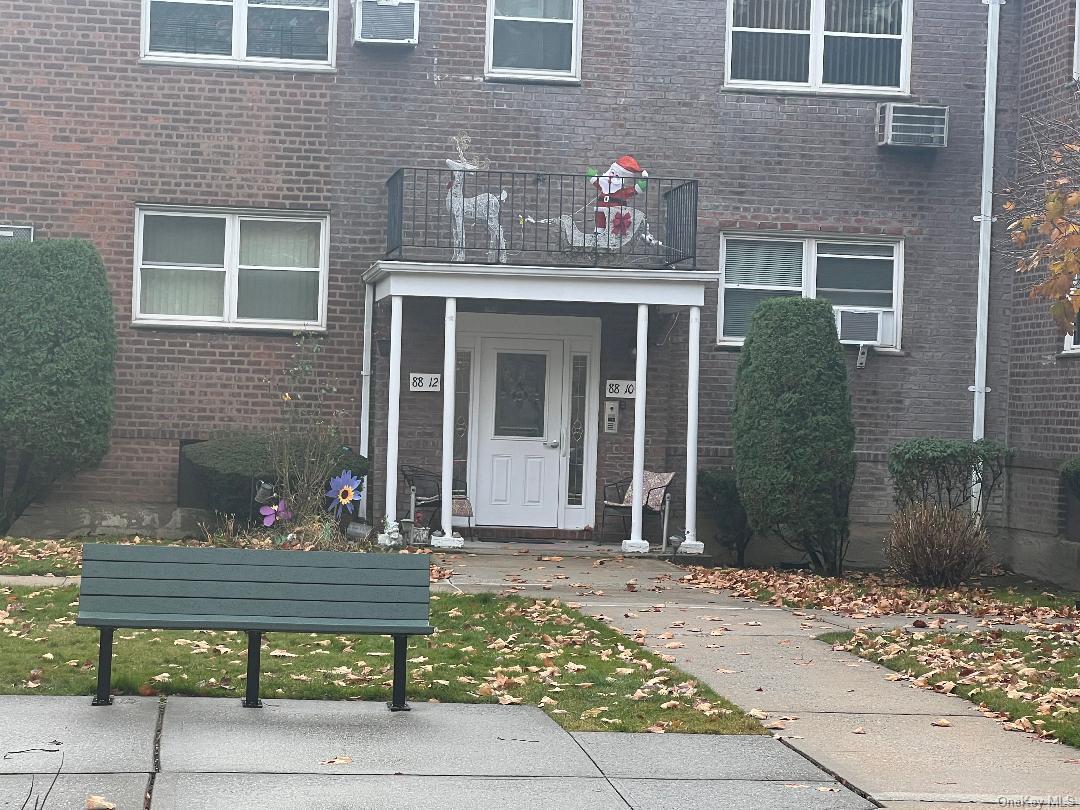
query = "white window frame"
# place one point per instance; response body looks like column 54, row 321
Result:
column 532, row 74
column 817, row 57
column 809, row 278
column 239, row 59
column 1072, row 346
column 1076, row 42
column 229, row 320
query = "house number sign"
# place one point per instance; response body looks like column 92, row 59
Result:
column 425, row 382
column 620, row 389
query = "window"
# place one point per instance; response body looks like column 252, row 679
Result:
column 863, row 281
column 579, row 403
column 537, row 39
column 462, row 405
column 292, row 33
column 838, row 45
column 209, row 268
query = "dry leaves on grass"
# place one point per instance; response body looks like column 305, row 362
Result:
column 990, row 660
column 13, row 550
column 862, row 595
column 555, row 667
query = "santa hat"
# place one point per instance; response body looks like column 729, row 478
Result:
column 622, row 177
column 628, row 164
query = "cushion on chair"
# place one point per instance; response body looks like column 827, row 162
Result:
column 654, row 486
column 461, row 506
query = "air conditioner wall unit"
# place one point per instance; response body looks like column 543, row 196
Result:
column 918, row 126
column 859, row 327
column 16, row 233
column 387, row 22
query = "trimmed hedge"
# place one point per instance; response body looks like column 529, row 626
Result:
column 228, row 465
column 719, row 490
column 941, row 471
column 57, row 347
column 1070, row 476
column 794, row 435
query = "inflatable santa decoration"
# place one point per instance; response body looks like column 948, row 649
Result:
column 624, row 179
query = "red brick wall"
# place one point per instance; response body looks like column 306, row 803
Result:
column 1044, row 386
column 87, row 132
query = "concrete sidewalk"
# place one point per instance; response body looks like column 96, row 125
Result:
column 212, row 754
column 767, row 658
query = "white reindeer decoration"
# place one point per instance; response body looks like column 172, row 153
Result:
column 483, row 207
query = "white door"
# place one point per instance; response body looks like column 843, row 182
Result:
column 519, row 432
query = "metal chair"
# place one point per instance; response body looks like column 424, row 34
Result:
column 425, row 488
column 618, row 499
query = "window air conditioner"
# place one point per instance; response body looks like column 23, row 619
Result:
column 860, row 327
column 912, row 125
column 16, row 233
column 387, row 22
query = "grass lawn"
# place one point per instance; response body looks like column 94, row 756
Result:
column 1031, row 680
column 20, row 557
column 1004, row 598
column 585, row 675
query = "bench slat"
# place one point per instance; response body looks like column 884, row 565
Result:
column 278, row 592
column 231, row 556
column 180, row 621
column 213, row 572
column 198, row 606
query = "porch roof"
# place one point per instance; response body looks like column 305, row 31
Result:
column 597, row 285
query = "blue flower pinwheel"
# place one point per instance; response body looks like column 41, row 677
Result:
column 343, row 492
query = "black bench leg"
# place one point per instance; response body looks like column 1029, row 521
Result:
column 401, row 648
column 104, row 669
column 251, row 696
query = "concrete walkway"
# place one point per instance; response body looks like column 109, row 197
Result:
column 212, row 754
column 767, row 658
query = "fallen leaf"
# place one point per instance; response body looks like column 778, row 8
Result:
column 99, row 803
column 941, row 722
column 342, row 760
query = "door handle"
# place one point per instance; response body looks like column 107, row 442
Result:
column 554, row 443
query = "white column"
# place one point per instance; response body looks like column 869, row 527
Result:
column 448, row 539
column 635, row 544
column 690, row 544
column 392, row 534
column 365, row 394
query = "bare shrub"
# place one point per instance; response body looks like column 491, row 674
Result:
column 936, row 547
column 304, row 456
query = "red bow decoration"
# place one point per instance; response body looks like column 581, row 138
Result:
column 622, row 224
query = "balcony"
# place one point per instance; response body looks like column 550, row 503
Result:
column 525, row 218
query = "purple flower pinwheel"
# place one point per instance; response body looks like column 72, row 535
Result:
column 275, row 513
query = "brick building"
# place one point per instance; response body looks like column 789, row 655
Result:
column 248, row 169
column 1043, row 373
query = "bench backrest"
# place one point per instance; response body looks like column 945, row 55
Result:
column 222, row 582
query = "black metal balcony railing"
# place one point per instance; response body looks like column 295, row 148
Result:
column 489, row 217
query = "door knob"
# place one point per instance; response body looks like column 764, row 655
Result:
column 552, row 444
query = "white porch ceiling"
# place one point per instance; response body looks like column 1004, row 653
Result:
column 525, row 283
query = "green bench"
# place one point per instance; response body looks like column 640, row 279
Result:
column 174, row 588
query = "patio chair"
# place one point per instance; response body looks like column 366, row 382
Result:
column 618, row 499
column 427, row 486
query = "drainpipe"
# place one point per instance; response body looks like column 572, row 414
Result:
column 986, row 223
column 365, row 389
